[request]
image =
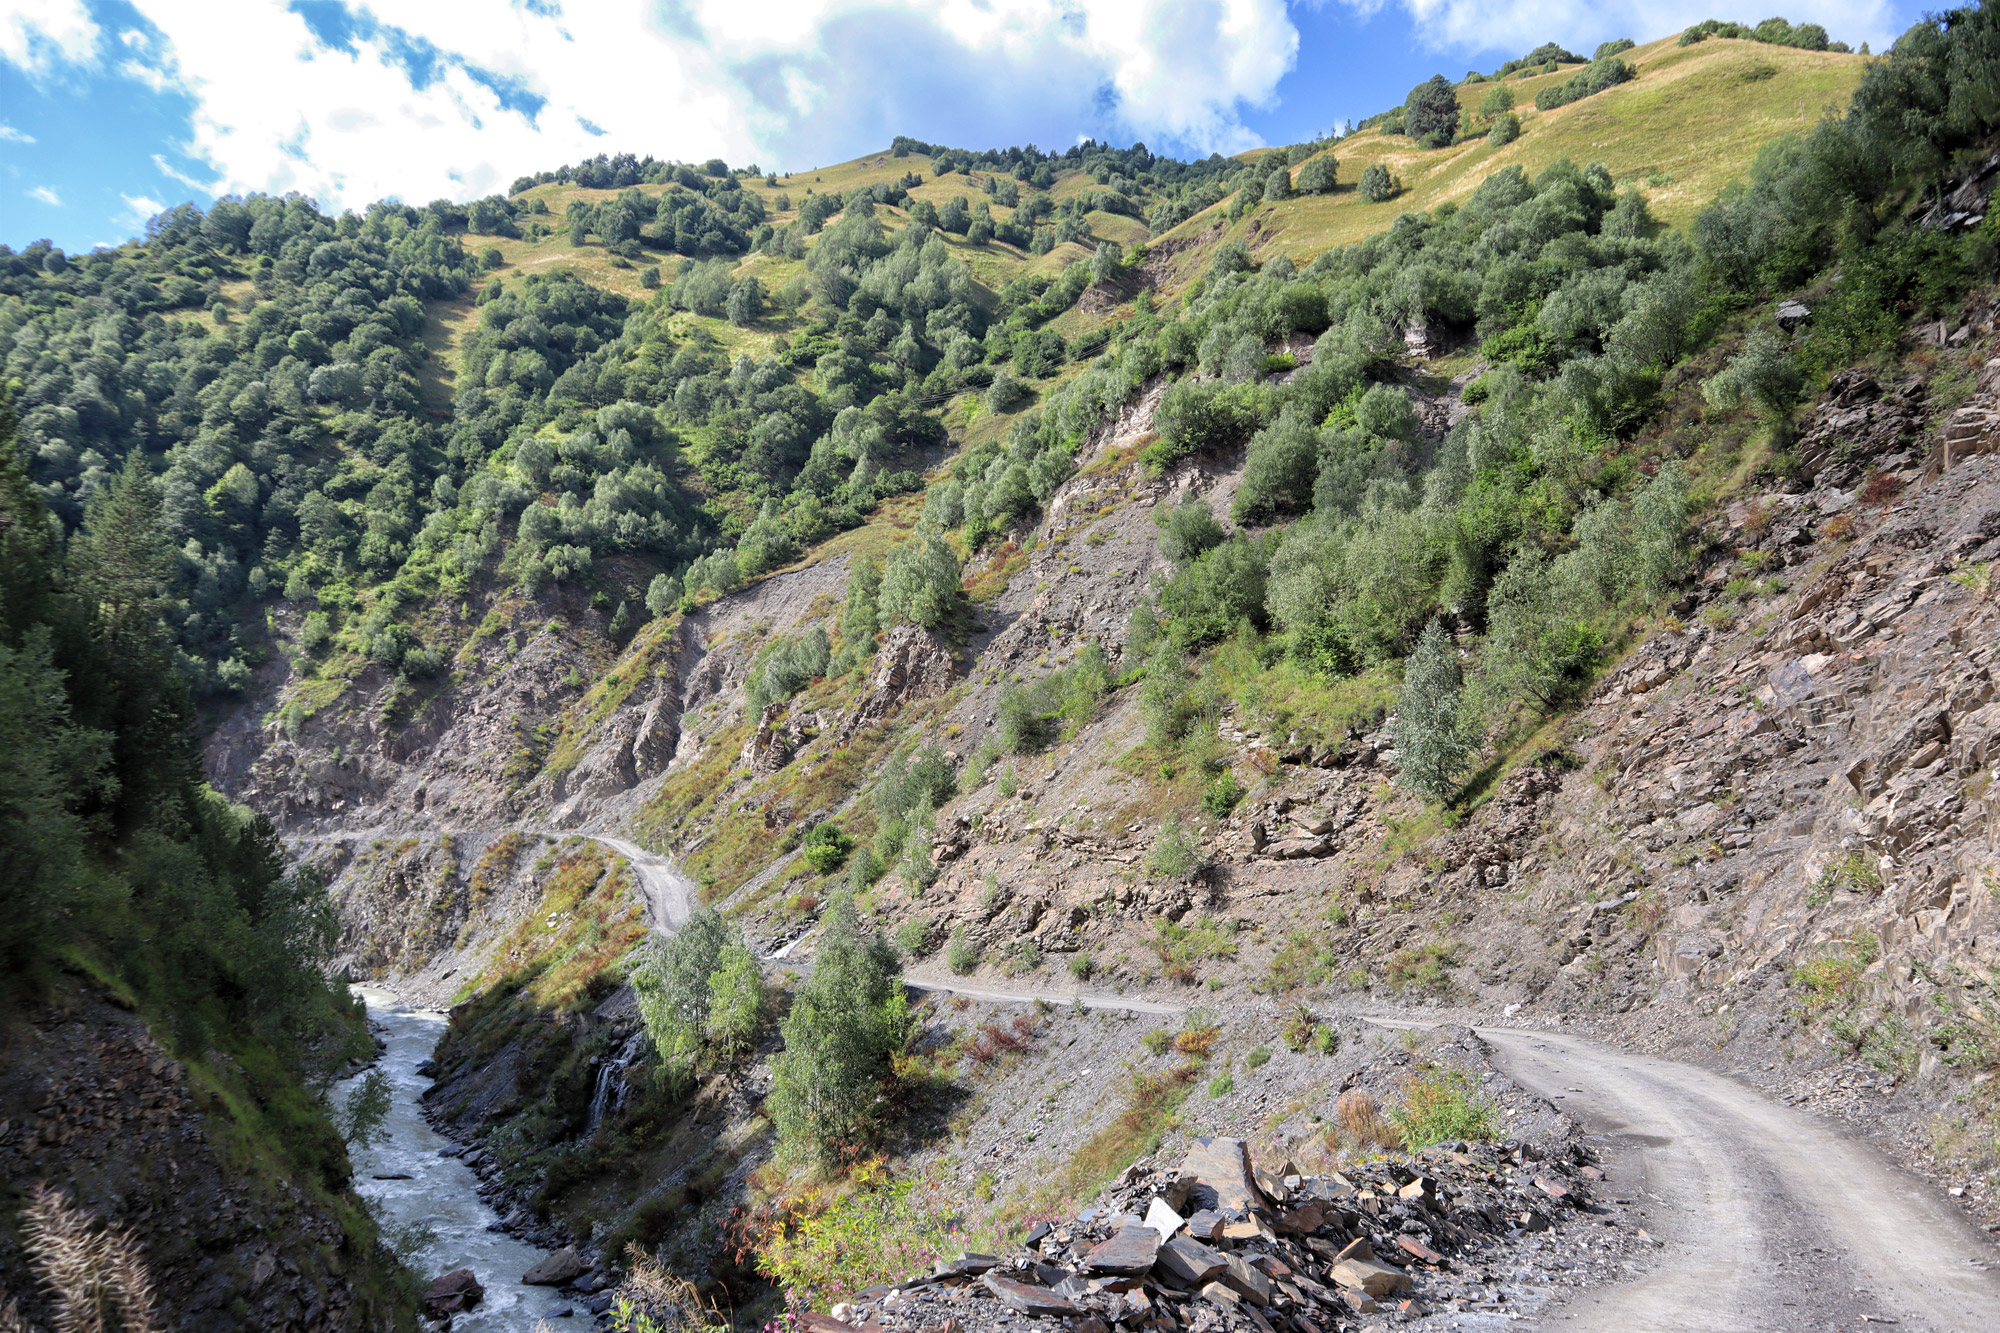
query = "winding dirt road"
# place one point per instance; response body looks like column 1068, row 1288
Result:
column 1767, row 1218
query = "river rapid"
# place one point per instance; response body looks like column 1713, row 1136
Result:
column 441, row 1193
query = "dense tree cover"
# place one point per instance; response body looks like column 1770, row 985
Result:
column 293, row 406
column 1595, row 77
column 1526, row 521
column 1546, row 56
column 117, row 860
column 1773, row 31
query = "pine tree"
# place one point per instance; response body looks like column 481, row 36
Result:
column 1431, row 743
column 121, row 562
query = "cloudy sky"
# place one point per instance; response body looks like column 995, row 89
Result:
column 113, row 109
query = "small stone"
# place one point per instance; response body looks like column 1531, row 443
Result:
column 1416, row 1249
column 1375, row 1279
column 1161, row 1217
column 1217, row 1294
column 1205, row 1225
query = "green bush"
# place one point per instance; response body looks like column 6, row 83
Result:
column 913, row 936
column 825, row 848
column 1221, row 795
column 1592, row 78
column 961, row 955
column 1195, row 416
column 1258, row 1058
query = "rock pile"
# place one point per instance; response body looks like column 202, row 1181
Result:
column 1221, row 1243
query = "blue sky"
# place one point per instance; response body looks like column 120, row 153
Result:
column 111, row 110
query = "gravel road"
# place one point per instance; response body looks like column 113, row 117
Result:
column 1768, row 1217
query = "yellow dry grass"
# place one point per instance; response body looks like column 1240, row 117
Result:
column 1692, row 120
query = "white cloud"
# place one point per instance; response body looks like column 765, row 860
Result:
column 509, row 88
column 37, row 35
column 46, row 195
column 174, row 173
column 140, row 210
column 1481, row 25
column 8, row 134
column 156, row 79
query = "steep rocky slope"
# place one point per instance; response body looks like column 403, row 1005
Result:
column 241, row 1218
column 1766, row 840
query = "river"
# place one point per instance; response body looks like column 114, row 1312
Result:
column 442, row 1192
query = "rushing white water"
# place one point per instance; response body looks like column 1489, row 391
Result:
column 442, row 1192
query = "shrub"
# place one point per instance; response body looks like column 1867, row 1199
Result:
column 1197, row 415
column 920, row 583
column 1258, row 1058
column 847, row 1020
column 825, row 848
column 1439, row 1107
column 1591, row 79
column 1378, row 185
column 1763, row 373
column 1221, row 1086
column 738, row 1003
column 784, row 668
column 1176, row 852
column 1182, row 945
column 1081, row 966
column 1221, row 795
column 1188, row 530
column 913, row 936
column 1419, row 966
column 1318, row 176
column 1030, row 715
column 961, row 955
column 1506, row 129
column 1360, row 1119
column 672, row 981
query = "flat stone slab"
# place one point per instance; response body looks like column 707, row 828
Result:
column 1025, row 1298
column 1224, row 1166
column 1130, row 1253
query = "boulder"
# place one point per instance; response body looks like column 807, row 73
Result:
column 454, row 1293
column 564, row 1266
